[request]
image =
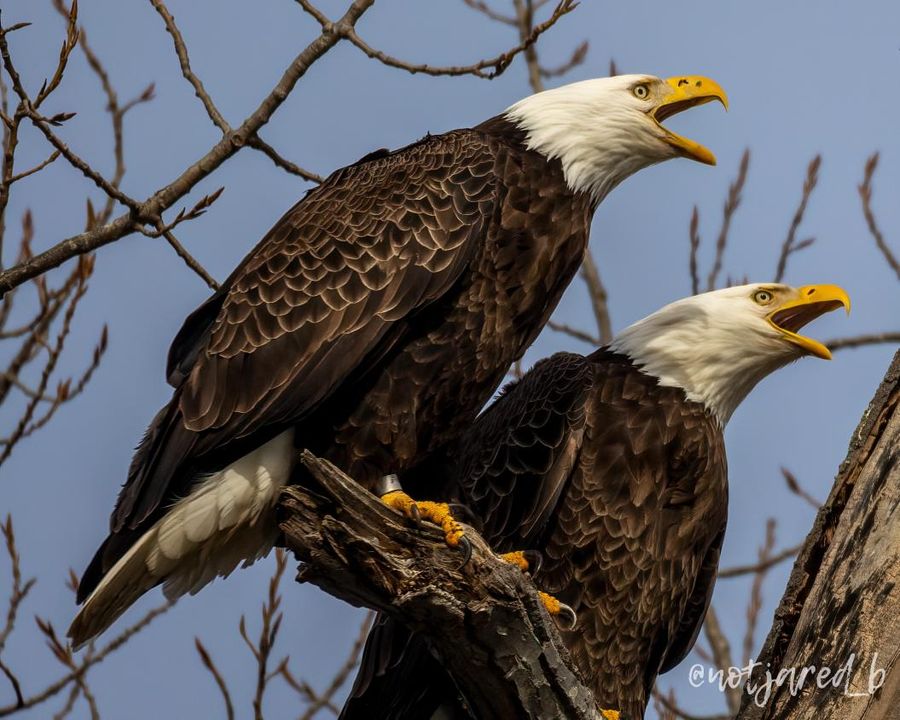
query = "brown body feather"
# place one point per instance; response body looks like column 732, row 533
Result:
column 374, row 319
column 622, row 486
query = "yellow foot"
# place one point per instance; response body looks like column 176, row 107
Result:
column 609, row 714
column 525, row 560
column 438, row 513
column 518, row 559
column 559, row 611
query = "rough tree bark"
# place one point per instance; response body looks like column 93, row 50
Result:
column 483, row 620
column 843, row 597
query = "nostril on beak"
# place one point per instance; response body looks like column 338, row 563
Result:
column 811, row 291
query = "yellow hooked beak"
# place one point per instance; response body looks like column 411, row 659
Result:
column 687, row 91
column 810, row 302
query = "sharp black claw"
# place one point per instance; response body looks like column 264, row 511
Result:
column 414, row 514
column 566, row 617
column 535, row 560
column 465, row 547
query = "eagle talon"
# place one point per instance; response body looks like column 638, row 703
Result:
column 435, row 512
column 564, row 616
column 535, row 561
column 611, row 715
column 529, row 561
column 465, row 546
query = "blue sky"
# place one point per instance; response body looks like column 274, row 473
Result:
column 803, row 78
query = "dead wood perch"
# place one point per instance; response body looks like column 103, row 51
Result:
column 843, row 597
column 484, row 621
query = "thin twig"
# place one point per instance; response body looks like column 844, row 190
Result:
column 754, row 604
column 486, row 10
column 217, row 676
column 732, row 202
column 721, row 651
column 865, row 194
column 679, row 712
column 578, row 56
column 88, row 662
column 271, row 623
column 340, row 677
column 861, row 340
column 189, row 75
column 36, row 169
column 694, row 235
column 83, row 272
column 590, row 273
column 794, row 486
column 790, row 245
column 575, row 333
column 772, row 561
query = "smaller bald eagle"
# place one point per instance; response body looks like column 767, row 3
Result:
column 612, row 467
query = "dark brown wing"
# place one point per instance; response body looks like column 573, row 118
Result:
column 516, row 460
column 695, row 611
column 325, row 292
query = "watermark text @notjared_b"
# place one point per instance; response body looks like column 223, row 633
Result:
column 852, row 678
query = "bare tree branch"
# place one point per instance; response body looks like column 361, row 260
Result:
column 488, row 69
column 151, row 208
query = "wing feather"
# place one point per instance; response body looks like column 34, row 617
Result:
column 525, row 448
column 316, row 300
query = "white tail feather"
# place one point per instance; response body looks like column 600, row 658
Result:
column 227, row 519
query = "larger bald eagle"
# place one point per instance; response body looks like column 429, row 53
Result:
column 371, row 324
column 613, row 468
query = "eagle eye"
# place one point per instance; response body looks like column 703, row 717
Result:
column 763, row 297
column 641, row 92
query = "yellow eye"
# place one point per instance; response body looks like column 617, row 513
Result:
column 763, row 297
column 641, row 92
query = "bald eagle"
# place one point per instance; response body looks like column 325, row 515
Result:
column 612, row 467
column 371, row 324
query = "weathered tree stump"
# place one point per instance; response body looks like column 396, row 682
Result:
column 483, row 620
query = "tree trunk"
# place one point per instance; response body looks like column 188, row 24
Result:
column 841, row 608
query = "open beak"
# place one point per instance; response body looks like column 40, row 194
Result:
column 811, row 302
column 688, row 91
